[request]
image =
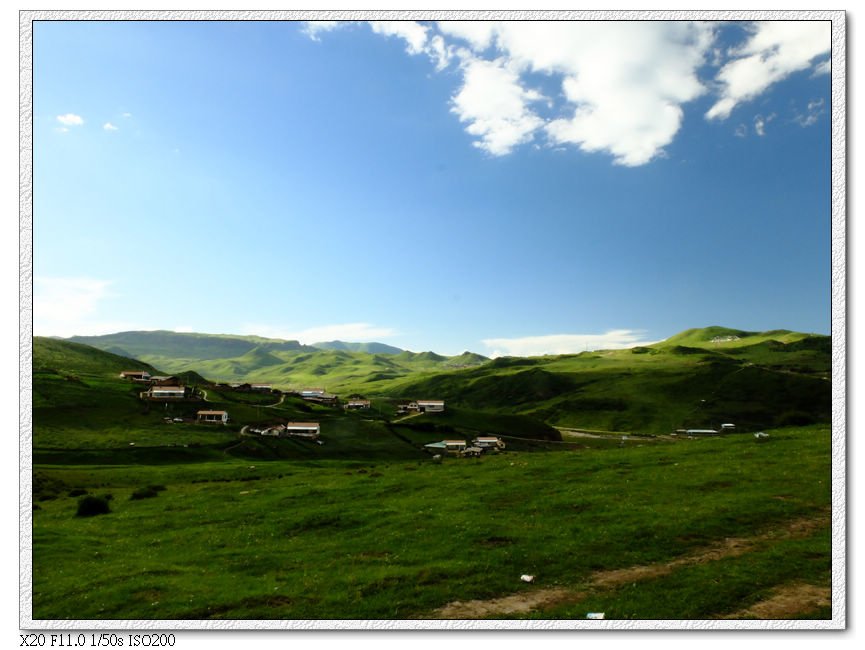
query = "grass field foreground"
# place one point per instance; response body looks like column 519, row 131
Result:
column 401, row 539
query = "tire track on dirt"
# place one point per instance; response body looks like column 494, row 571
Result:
column 786, row 602
column 524, row 602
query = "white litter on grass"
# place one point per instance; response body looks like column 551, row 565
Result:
column 595, row 615
column 527, row 578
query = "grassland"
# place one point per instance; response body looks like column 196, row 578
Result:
column 368, row 526
column 403, row 538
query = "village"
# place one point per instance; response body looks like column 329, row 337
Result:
column 170, row 389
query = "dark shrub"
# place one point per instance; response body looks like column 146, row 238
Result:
column 143, row 493
column 89, row 506
column 77, row 492
column 157, row 488
column 795, row 419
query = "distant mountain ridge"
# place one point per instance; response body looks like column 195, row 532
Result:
column 227, row 357
column 369, row 348
column 186, row 345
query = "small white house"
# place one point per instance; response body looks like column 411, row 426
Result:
column 455, row 446
column 313, row 392
column 430, row 405
column 212, row 417
column 728, row 427
column 302, row 429
column 135, row 375
column 357, row 404
column 701, row 432
column 488, row 442
column 166, row 392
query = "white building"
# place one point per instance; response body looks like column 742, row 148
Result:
column 212, row 417
column 488, row 442
column 426, row 406
column 166, row 392
column 302, row 429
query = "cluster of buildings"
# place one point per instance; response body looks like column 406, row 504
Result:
column 725, row 428
column 247, row 388
column 170, row 389
column 309, row 430
column 479, row 445
column 422, row 406
column 167, row 388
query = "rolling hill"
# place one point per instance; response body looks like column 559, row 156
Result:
column 699, row 378
column 285, row 364
column 185, row 345
column 369, row 348
column 752, row 379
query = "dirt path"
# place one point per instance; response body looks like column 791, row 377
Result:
column 523, row 602
column 788, row 601
column 576, row 433
column 270, row 406
column 514, row 604
column 407, row 417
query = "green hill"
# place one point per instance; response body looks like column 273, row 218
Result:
column 699, row 378
column 286, row 364
column 756, row 380
column 186, row 345
column 724, row 337
column 68, row 357
column 369, row 348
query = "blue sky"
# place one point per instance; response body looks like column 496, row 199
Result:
column 507, row 188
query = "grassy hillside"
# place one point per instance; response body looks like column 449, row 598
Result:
column 369, row 348
column 86, row 412
column 207, row 522
column 64, row 356
column 756, row 381
column 183, row 345
column 699, row 378
column 347, row 367
column 724, row 337
column 638, row 532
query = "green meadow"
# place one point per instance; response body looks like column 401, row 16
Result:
column 209, row 522
column 237, row 538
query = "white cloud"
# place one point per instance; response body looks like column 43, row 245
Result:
column 343, row 332
column 814, row 111
column 495, row 105
column 69, row 306
column 127, row 115
column 625, row 101
column 620, row 100
column 760, row 123
column 70, row 119
column 314, row 28
column 824, row 67
column 184, row 328
column 612, row 87
column 478, row 34
column 414, row 34
column 774, row 51
column 529, row 346
column 108, row 126
column 741, row 131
